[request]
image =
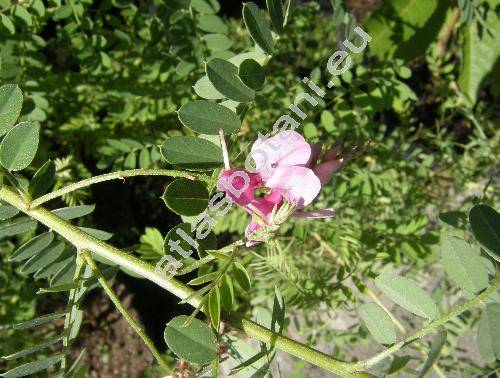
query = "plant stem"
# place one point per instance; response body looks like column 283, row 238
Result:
column 82, row 240
column 116, row 175
column 403, row 330
column 207, row 259
column 495, row 285
column 137, row 328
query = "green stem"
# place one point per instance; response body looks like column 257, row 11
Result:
column 82, row 240
column 137, row 328
column 115, row 176
column 198, row 263
column 474, row 302
column 402, row 328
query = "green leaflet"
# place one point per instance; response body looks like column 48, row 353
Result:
column 488, row 333
column 19, row 146
column 485, row 224
column 463, row 265
column 252, row 74
column 194, row 342
column 33, row 367
column 224, row 77
column 258, row 27
column 209, row 118
column 186, row 197
column 191, row 153
column 275, row 9
column 11, row 102
column 408, row 295
column 480, row 52
column 378, row 323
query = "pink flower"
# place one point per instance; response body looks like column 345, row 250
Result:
column 287, row 165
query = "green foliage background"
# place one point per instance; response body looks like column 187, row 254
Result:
column 103, row 81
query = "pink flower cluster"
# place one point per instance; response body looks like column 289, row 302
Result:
column 290, row 169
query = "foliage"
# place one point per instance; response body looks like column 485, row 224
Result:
column 160, row 88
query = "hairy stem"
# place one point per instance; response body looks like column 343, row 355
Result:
column 474, row 302
column 131, row 321
column 114, row 176
column 84, row 241
column 403, row 330
column 204, row 260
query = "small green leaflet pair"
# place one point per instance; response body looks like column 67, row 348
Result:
column 195, row 341
column 19, row 145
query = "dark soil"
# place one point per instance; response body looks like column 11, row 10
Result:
column 113, row 349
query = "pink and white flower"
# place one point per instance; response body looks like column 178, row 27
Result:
column 287, row 165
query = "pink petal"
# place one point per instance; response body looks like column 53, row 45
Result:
column 239, row 185
column 325, row 171
column 316, row 214
column 315, row 152
column 298, row 185
column 287, row 148
column 266, row 204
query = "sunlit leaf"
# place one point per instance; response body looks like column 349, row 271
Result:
column 194, row 342
column 191, row 153
column 378, row 323
column 186, row 197
column 208, row 118
column 11, row 103
column 241, row 276
column 19, row 146
column 258, row 26
column 224, row 77
column 463, row 265
column 408, row 295
column 34, row 367
column 214, row 307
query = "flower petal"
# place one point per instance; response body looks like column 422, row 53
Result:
column 298, row 185
column 325, row 170
column 287, row 148
column 315, row 214
column 239, row 185
column 266, row 204
column 315, row 152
